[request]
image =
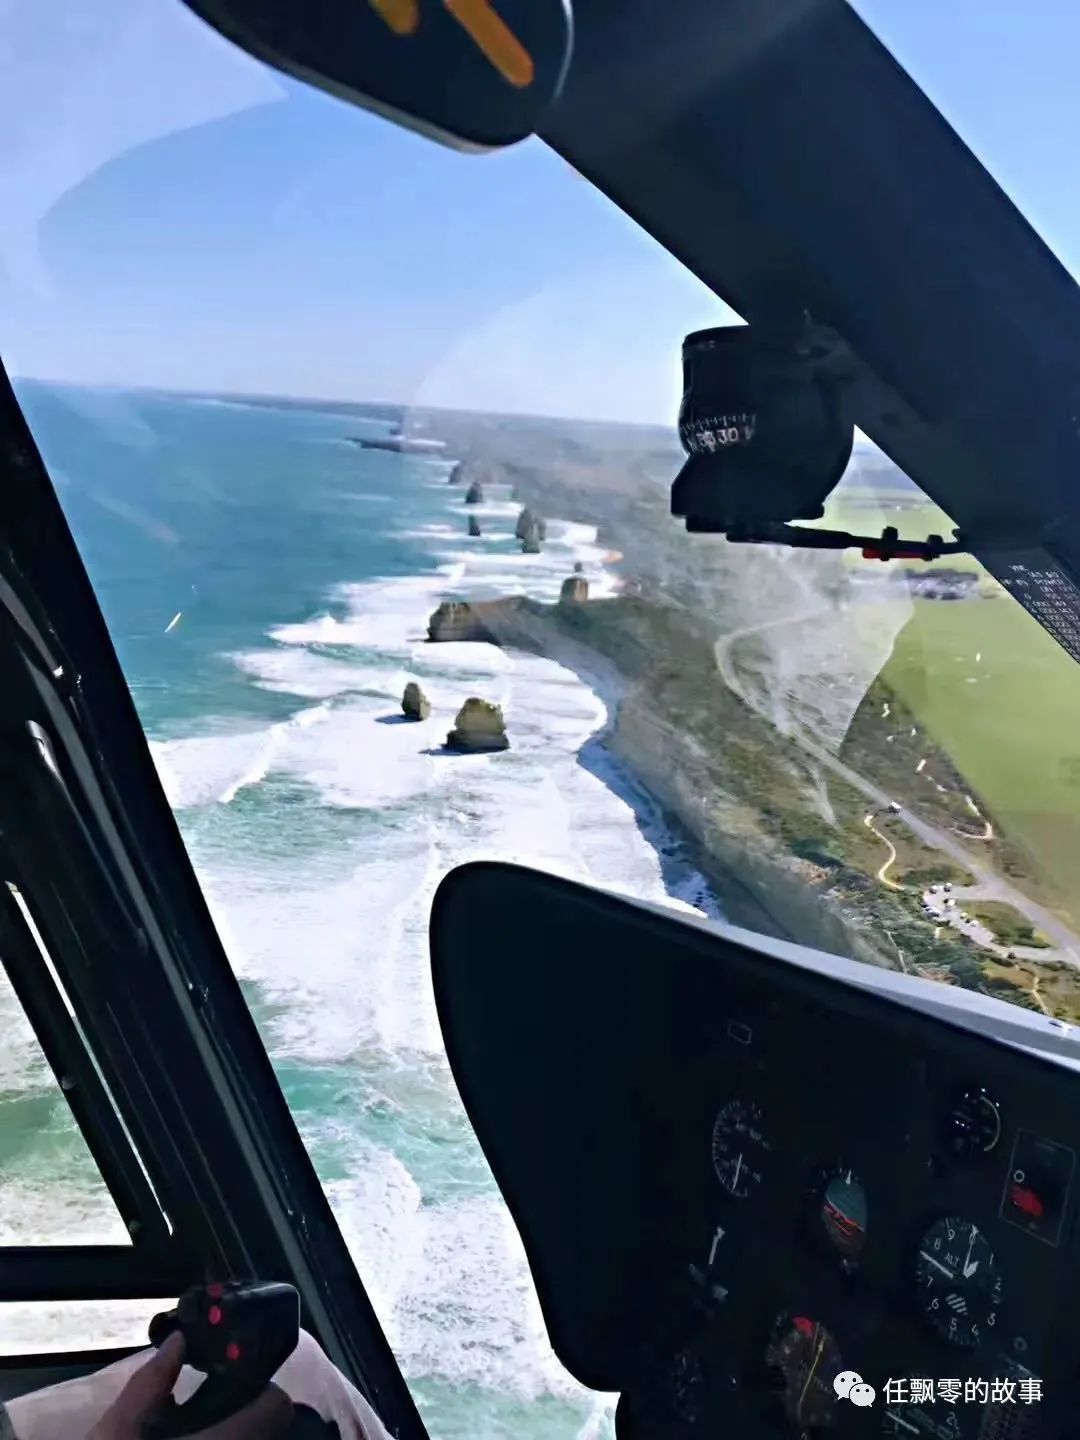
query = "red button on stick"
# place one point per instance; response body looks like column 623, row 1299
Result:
column 232, row 1351
column 216, row 1290
column 213, row 1315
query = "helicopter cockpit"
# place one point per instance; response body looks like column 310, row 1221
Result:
column 747, row 955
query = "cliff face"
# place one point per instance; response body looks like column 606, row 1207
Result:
column 515, row 622
column 761, row 886
column 457, row 620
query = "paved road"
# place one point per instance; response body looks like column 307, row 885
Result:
column 950, row 915
column 991, row 885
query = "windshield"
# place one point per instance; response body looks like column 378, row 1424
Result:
column 305, row 383
column 1001, row 75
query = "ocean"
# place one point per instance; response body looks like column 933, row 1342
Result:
column 303, row 570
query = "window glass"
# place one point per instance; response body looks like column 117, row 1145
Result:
column 40, row 1327
column 969, row 57
column 51, row 1191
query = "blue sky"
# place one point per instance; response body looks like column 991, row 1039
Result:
column 173, row 214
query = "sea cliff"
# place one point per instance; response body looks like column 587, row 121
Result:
column 609, row 644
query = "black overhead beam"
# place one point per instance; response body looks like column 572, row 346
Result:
column 777, row 149
column 89, row 1272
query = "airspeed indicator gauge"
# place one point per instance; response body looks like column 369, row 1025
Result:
column 739, row 1148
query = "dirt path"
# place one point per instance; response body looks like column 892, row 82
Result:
column 883, row 873
column 991, row 885
column 1036, row 996
column 988, row 830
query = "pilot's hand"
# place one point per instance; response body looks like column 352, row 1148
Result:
column 152, row 1384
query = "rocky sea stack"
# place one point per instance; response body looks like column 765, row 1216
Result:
column 475, row 494
column 528, row 522
column 474, row 527
column 479, row 727
column 414, row 703
column 531, row 530
column 456, row 620
column 574, row 591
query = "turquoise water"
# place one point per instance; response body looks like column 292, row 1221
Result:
column 303, row 570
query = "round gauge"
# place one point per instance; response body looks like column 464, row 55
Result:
column 685, row 1381
column 974, row 1124
column 922, row 1422
column 959, row 1282
column 843, row 1211
column 739, row 1147
column 806, row 1361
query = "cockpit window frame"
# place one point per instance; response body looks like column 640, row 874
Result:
column 184, row 1089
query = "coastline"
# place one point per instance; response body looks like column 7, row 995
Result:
column 685, row 878
column 735, row 793
column 722, row 895
column 779, row 831
column 751, row 882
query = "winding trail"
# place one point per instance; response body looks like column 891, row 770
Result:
column 883, row 873
column 988, row 832
column 991, row 885
column 1036, row 996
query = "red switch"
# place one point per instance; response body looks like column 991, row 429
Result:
column 232, row 1351
column 1027, row 1201
column 213, row 1315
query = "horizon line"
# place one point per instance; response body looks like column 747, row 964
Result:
column 264, row 395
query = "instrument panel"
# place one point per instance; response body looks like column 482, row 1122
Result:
column 760, row 1199
column 853, row 1210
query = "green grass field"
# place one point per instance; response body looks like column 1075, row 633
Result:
column 865, row 511
column 1007, row 924
column 856, row 508
column 1003, row 699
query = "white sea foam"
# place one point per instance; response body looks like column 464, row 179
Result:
column 338, row 944
column 535, row 804
column 29, row 1214
column 198, row 770
column 362, row 986
column 444, row 531
column 43, row 1326
column 448, row 1276
column 203, row 769
column 276, row 740
column 296, row 672
column 23, row 1067
column 455, row 1279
